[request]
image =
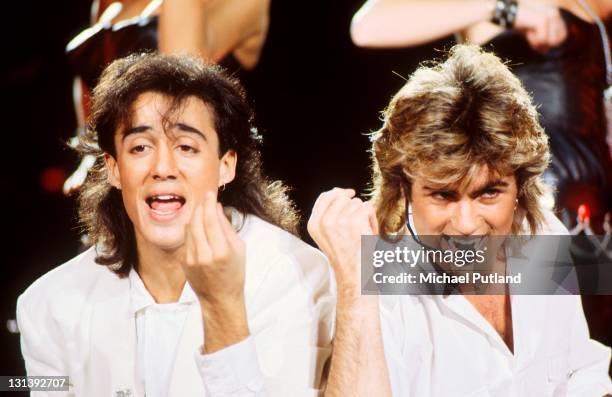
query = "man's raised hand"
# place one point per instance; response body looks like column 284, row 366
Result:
column 214, row 266
column 214, row 254
column 337, row 222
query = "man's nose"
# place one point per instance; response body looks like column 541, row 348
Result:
column 465, row 218
column 165, row 164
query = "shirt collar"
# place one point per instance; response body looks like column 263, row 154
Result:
column 141, row 298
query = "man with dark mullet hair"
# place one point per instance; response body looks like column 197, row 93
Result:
column 194, row 284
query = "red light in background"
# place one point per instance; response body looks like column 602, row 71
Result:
column 52, row 179
column 583, row 212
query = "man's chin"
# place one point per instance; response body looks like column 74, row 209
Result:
column 167, row 242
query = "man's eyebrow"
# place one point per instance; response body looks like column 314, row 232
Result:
column 440, row 189
column 490, row 185
column 188, row 128
column 145, row 128
column 135, row 130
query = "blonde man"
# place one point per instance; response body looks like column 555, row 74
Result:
column 460, row 153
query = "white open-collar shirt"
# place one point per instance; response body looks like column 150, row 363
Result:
column 109, row 336
column 159, row 327
column 442, row 346
column 158, row 330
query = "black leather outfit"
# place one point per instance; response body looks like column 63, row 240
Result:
column 567, row 85
column 92, row 50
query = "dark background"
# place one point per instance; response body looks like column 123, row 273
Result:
column 315, row 97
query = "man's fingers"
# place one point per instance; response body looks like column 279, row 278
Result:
column 326, row 198
column 339, row 203
column 322, row 204
column 189, row 250
column 362, row 215
column 212, row 226
column 200, row 249
column 353, row 215
column 230, row 234
column 354, row 205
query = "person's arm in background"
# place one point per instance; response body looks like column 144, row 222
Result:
column 602, row 7
column 404, row 23
column 100, row 14
column 214, row 28
column 358, row 366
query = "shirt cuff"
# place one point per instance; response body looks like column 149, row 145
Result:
column 233, row 370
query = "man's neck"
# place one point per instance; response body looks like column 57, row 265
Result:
column 496, row 308
column 161, row 273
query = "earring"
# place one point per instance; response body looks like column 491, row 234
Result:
column 222, row 188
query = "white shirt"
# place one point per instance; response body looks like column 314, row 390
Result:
column 83, row 321
column 158, row 330
column 442, row 346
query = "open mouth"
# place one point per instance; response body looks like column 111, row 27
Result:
column 165, row 205
column 464, row 244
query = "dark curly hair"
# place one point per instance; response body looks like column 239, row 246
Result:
column 101, row 209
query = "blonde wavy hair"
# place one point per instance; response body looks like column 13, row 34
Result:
column 451, row 118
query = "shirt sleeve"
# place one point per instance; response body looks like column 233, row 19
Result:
column 232, row 371
column 40, row 350
column 588, row 359
column 291, row 327
column 295, row 324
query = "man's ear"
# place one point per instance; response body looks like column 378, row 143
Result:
column 227, row 167
column 112, row 171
